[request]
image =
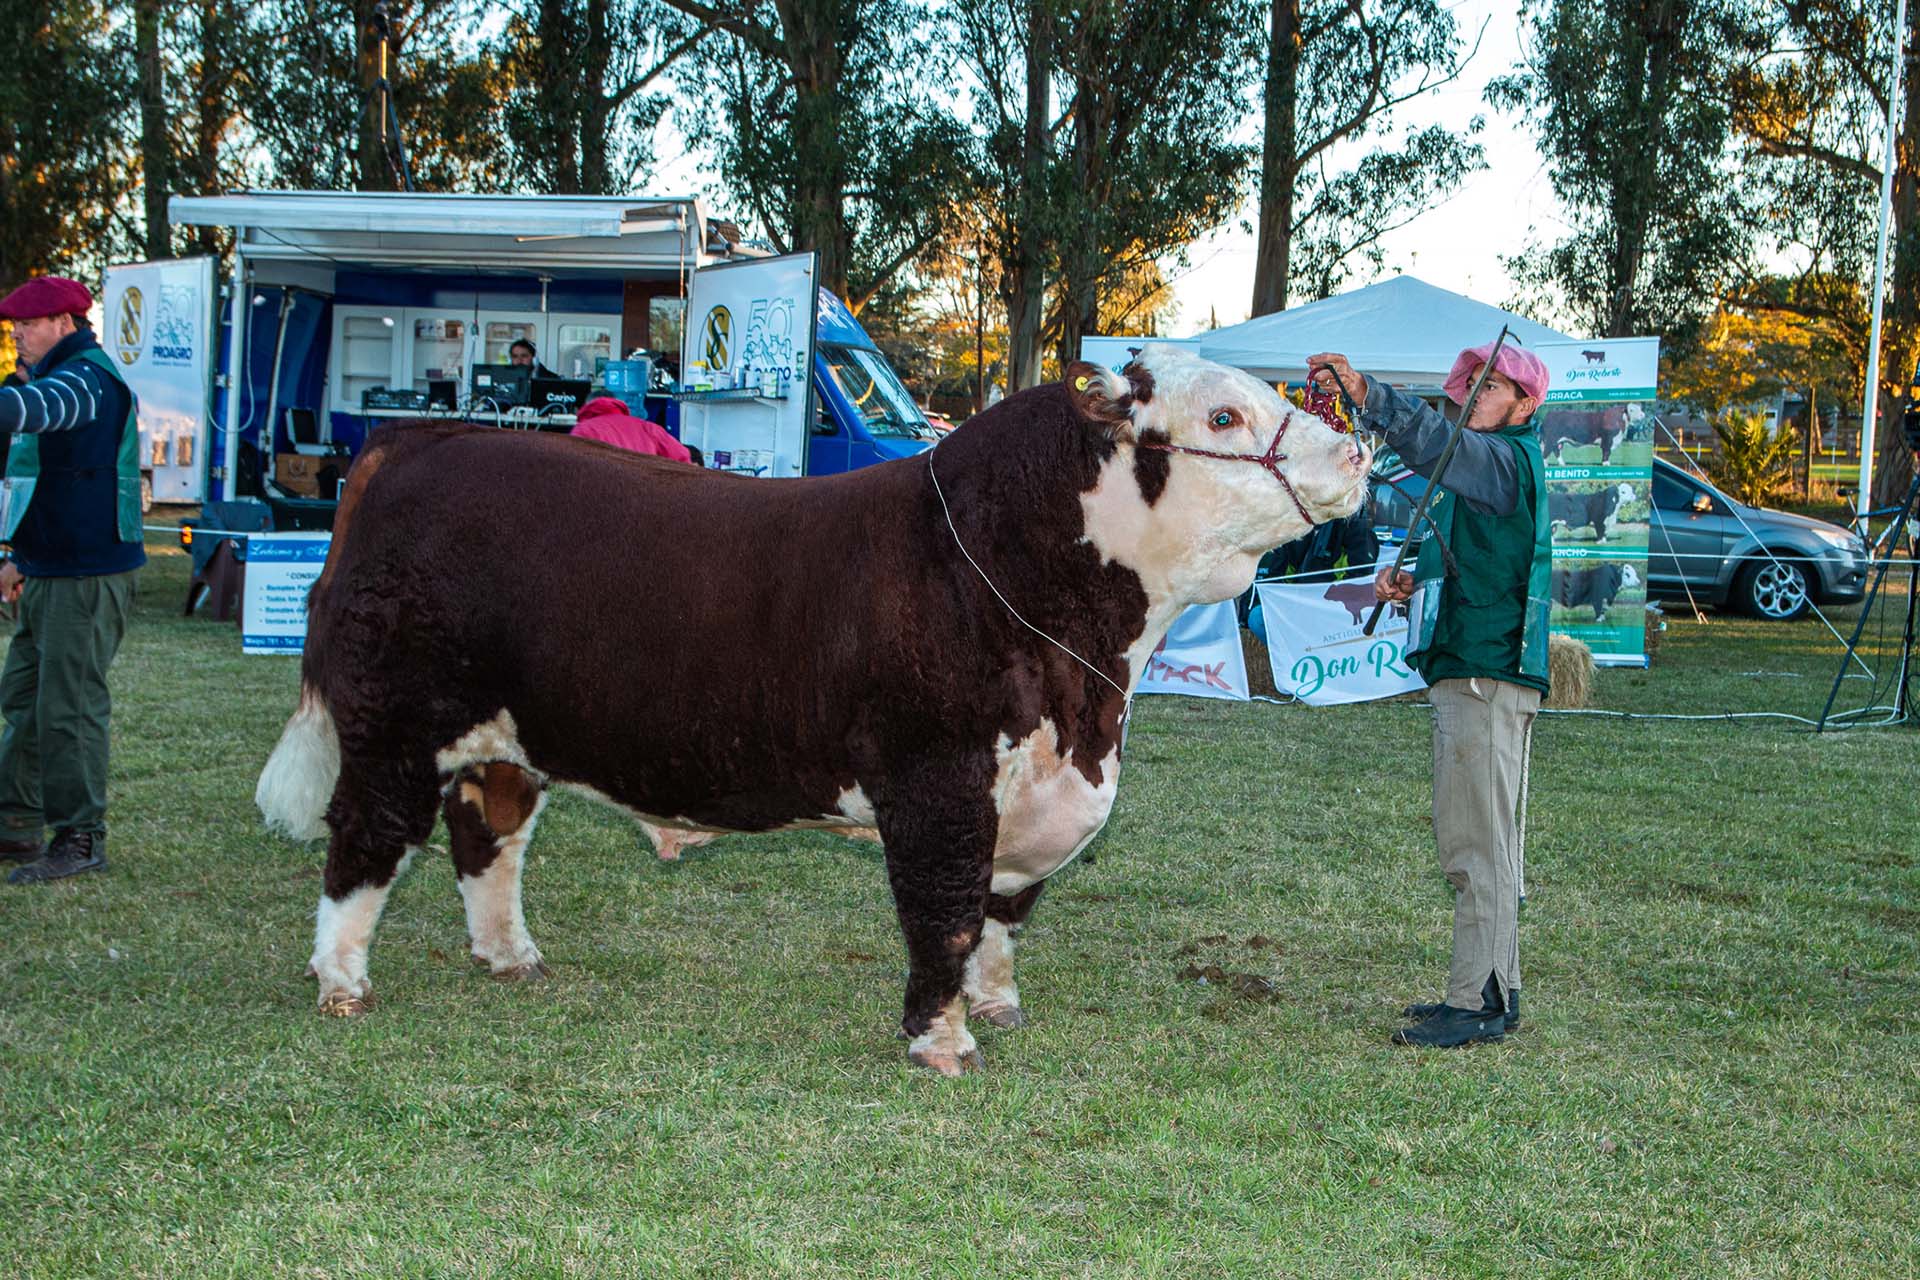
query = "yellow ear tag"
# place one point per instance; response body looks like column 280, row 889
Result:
column 1080, row 383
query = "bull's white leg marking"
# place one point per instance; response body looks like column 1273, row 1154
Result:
column 497, row 739
column 947, row 1046
column 988, row 980
column 496, row 921
column 1048, row 810
column 342, row 935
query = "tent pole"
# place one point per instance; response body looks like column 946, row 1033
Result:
column 241, row 306
column 1863, row 501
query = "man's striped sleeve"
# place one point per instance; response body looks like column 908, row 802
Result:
column 63, row 401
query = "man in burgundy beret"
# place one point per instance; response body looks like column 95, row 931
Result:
column 70, row 508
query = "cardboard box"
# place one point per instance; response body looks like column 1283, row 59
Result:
column 299, row 474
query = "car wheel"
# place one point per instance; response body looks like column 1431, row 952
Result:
column 1776, row 589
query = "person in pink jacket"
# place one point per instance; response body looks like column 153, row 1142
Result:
column 606, row 419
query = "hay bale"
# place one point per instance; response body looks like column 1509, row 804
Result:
column 1259, row 666
column 1569, row 671
column 1656, row 629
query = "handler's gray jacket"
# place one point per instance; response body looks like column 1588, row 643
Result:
column 1483, row 473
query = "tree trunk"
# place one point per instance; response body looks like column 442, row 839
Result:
column 1278, row 162
column 1026, row 274
column 594, row 105
column 1813, row 421
column 1892, row 463
column 155, row 158
column 1660, row 26
column 819, row 198
column 212, row 111
column 375, row 169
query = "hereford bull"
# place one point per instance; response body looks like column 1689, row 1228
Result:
column 938, row 649
column 1564, row 429
column 1597, row 510
column 1593, row 586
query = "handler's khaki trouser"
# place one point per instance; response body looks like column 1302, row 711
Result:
column 1480, row 732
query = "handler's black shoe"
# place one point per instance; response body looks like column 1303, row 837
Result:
column 1420, row 1012
column 1450, row 1028
column 71, row 853
column 22, row 850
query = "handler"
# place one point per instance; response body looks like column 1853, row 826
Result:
column 1478, row 637
column 72, row 512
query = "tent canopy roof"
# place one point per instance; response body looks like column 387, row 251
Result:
column 1403, row 330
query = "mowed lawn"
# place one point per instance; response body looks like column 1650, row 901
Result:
column 1719, row 1072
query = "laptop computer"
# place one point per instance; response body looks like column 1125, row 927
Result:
column 558, row 395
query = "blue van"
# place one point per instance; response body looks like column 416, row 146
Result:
column 861, row 412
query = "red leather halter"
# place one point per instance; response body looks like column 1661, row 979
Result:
column 1270, row 460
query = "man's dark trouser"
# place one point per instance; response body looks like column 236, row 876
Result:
column 53, row 695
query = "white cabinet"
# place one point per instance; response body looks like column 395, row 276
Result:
column 439, row 349
column 575, row 343
column 366, row 352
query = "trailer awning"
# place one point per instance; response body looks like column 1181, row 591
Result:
column 466, row 231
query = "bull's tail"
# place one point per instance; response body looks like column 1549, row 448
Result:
column 299, row 776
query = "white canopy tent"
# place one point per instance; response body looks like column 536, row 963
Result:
column 1403, row 330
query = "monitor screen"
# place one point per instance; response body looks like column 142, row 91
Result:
column 559, row 395
column 503, row 386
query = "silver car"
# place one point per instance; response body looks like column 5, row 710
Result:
column 1705, row 546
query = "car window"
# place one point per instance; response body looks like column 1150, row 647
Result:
column 1674, row 492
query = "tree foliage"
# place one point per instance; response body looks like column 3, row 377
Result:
column 1629, row 104
column 819, row 116
column 1753, row 462
column 65, row 122
column 1808, row 112
column 1336, row 71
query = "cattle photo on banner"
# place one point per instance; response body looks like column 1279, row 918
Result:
column 1317, row 647
column 1200, row 656
column 155, row 322
column 1596, row 434
column 747, row 363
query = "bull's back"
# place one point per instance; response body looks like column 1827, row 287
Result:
column 618, row 606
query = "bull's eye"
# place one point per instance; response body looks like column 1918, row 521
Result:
column 1223, row 419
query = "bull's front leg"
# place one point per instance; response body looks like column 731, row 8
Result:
column 988, row 984
column 939, row 850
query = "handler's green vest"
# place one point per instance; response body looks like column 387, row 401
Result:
column 23, row 465
column 1478, row 623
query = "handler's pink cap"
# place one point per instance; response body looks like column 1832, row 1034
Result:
column 46, row 296
column 1518, row 364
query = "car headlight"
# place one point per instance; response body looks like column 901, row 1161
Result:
column 1842, row 540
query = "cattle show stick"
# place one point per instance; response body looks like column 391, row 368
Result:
column 1439, row 472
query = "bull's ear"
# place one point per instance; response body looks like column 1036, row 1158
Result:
column 1101, row 396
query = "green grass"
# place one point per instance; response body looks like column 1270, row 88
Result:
column 1717, row 1076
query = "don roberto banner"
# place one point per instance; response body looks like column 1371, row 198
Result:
column 1596, row 434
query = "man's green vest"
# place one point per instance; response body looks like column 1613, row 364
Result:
column 23, row 465
column 1478, row 623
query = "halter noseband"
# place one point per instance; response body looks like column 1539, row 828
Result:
column 1270, row 461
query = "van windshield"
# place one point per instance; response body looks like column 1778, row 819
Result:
column 874, row 392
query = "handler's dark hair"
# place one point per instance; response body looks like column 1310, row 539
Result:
column 524, row 342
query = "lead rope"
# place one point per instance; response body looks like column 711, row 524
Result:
column 1126, row 708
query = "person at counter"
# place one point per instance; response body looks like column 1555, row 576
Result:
column 607, row 420
column 522, row 353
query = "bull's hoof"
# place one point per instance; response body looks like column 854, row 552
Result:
column 1000, row 1014
column 535, row 971
column 343, row 1004
column 946, row 1062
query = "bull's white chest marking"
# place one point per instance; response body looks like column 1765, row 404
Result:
column 1048, row 810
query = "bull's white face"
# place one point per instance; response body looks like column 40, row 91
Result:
column 1202, row 537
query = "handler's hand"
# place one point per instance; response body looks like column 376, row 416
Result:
column 10, row 582
column 1352, row 379
column 1388, row 585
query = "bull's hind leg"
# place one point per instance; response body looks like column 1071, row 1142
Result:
column 491, row 811
column 380, row 815
column 989, row 985
column 939, row 861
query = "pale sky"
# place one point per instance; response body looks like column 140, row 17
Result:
column 1456, row 245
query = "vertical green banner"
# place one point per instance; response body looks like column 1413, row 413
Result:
column 1596, row 433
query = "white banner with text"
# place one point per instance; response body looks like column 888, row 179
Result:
column 1318, row 651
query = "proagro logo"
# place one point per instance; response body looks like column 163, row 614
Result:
column 173, row 325
column 718, row 338
column 129, row 327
